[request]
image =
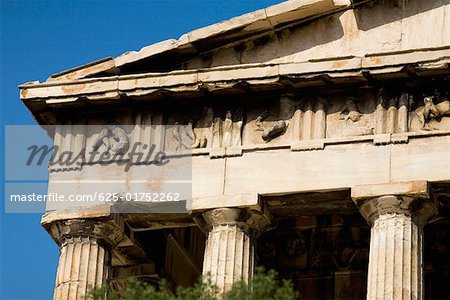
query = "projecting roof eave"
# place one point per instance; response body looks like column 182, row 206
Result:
column 211, row 37
column 41, row 98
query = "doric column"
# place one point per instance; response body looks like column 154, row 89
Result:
column 396, row 244
column 229, row 252
column 84, row 259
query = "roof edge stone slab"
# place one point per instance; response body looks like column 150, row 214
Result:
column 221, row 33
column 419, row 62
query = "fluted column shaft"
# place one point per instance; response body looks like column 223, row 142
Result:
column 229, row 252
column 396, row 246
column 230, row 256
column 84, row 261
column 395, row 262
column 83, row 265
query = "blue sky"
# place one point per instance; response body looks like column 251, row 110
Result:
column 39, row 38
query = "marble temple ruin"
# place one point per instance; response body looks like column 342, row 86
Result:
column 320, row 147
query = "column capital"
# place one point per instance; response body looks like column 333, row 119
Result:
column 249, row 220
column 411, row 199
column 229, row 251
column 71, row 230
column 419, row 209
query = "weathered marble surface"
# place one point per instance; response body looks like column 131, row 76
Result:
column 396, row 245
column 85, row 260
column 272, row 35
column 230, row 245
column 280, row 118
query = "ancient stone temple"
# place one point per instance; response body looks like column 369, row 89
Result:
column 320, row 147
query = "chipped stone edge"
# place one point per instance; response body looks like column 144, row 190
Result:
column 178, row 80
column 418, row 188
column 265, row 19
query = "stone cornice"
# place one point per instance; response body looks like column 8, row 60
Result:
column 427, row 59
column 421, row 62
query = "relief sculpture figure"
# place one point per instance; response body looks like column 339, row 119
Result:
column 183, row 136
column 431, row 111
column 227, row 130
column 236, row 135
column 198, row 142
column 200, row 139
column 354, row 125
column 114, row 138
column 216, row 129
column 195, row 134
column 350, row 111
column 271, row 131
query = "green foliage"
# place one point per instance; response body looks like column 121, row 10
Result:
column 263, row 286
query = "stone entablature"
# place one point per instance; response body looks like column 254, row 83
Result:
column 361, row 135
column 301, row 120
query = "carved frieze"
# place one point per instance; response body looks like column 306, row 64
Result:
column 202, row 133
column 113, row 138
column 432, row 114
column 311, row 117
column 350, row 116
column 269, row 132
column 352, row 119
column 108, row 140
column 302, row 121
column 227, row 129
column 392, row 111
column 270, row 122
column 70, row 145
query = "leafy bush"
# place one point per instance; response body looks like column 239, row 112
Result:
column 263, row 286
